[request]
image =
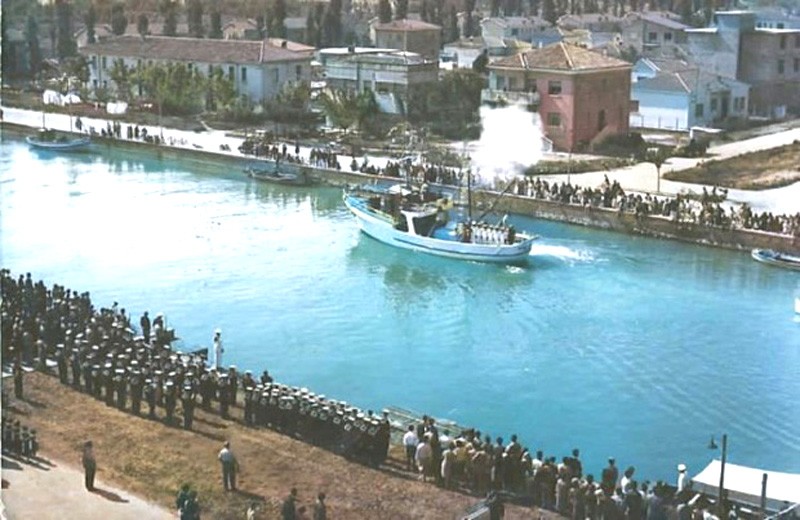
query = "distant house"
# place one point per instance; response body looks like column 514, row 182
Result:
column 259, row 69
column 582, row 96
column 240, row 29
column 504, row 36
column 391, row 75
column 768, row 59
column 675, row 95
column 595, row 22
column 409, row 35
column 653, row 32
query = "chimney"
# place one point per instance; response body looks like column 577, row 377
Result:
column 283, row 44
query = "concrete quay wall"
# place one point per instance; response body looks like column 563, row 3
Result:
column 654, row 226
column 660, row 227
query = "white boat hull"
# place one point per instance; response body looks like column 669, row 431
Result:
column 70, row 145
column 379, row 229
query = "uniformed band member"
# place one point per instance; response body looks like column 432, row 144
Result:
column 170, row 400
column 61, row 361
column 136, row 390
column 150, row 397
column 187, row 402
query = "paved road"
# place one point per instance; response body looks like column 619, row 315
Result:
column 640, row 177
column 51, row 490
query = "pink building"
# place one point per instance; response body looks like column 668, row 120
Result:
column 582, row 96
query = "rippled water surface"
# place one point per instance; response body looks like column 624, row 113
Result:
column 626, row 346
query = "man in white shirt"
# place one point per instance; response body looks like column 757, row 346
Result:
column 229, row 467
column 410, row 441
column 682, row 478
column 218, row 350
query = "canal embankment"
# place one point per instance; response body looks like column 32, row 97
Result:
column 215, row 159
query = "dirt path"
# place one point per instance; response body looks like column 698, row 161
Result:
column 45, row 489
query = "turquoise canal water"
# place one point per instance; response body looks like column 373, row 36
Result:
column 619, row 345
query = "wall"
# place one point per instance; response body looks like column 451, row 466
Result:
column 761, row 52
column 660, row 109
column 606, row 91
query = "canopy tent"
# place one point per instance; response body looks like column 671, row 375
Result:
column 743, row 485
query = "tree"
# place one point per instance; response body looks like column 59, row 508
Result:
column 169, row 11
column 311, row 28
column 278, row 18
column 481, row 63
column 549, row 11
column 469, row 21
column 451, row 33
column 348, row 110
column 401, row 11
column 494, row 8
column 90, row 20
column 32, row 37
column 657, row 156
column 118, row 20
column 143, row 25
column 66, row 40
column 220, row 90
column 332, row 24
column 216, row 25
column 423, row 11
column 194, row 18
column 260, row 26
column 384, row 11
column 120, row 74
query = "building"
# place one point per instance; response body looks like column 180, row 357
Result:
column 766, row 58
column 390, row 74
column 295, row 28
column 675, row 95
column 259, row 69
column 653, row 33
column 582, row 96
column 415, row 36
column 516, row 27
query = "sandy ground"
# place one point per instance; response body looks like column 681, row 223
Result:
column 44, row 488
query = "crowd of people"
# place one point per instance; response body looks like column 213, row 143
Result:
column 97, row 351
column 707, row 209
column 18, row 439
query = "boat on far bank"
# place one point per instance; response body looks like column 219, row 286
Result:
column 51, row 140
column 420, row 222
column 772, row 257
column 275, row 175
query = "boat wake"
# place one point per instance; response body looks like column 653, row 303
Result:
column 563, row 253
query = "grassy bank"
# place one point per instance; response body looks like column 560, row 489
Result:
column 152, row 460
column 766, row 169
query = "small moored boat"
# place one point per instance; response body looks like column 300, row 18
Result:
column 52, row 140
column 419, row 222
column 772, row 257
column 277, row 176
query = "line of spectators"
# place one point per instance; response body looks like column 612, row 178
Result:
column 707, row 209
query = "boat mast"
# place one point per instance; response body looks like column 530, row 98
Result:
column 469, row 194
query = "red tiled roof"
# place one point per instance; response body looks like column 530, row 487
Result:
column 196, row 49
column 406, row 25
column 560, row 56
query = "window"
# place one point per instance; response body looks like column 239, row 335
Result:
column 230, row 73
column 244, row 74
column 652, row 37
column 713, row 104
column 512, row 83
column 554, row 88
column 103, row 62
column 514, row 32
column 94, row 62
column 189, row 67
column 783, row 41
column 667, row 36
column 780, row 67
column 698, row 110
column 553, row 119
column 298, row 72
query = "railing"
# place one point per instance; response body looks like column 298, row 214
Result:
column 509, row 96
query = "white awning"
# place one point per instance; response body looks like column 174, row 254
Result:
column 744, row 485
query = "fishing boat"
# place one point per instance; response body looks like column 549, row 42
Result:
column 419, row 221
column 52, row 140
column 772, row 257
column 274, row 175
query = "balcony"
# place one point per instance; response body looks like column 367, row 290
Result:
column 509, row 97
